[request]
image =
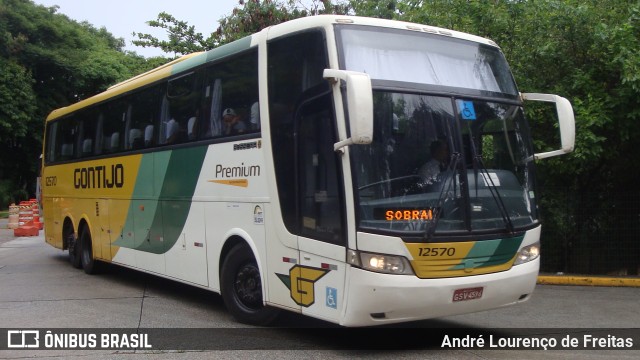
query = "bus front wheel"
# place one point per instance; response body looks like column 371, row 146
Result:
column 241, row 287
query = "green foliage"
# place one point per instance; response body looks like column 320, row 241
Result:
column 383, row 9
column 249, row 17
column 48, row 61
column 183, row 39
column 588, row 52
column 18, row 99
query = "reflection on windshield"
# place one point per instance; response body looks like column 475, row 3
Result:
column 440, row 165
column 416, row 57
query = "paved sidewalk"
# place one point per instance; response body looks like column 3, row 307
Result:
column 6, row 234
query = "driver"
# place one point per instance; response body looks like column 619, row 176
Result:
column 439, row 156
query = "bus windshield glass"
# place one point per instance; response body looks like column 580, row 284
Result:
column 441, row 165
column 416, row 57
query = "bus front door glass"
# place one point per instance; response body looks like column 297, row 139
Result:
column 407, row 176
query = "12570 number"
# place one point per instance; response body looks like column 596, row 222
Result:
column 442, row 251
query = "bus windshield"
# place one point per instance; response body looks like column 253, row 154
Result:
column 451, row 152
column 416, row 57
column 441, row 165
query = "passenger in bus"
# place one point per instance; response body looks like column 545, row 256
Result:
column 148, row 136
column 255, row 116
column 233, row 125
column 192, row 126
column 439, row 157
column 175, row 132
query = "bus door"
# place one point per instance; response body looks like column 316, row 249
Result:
column 322, row 233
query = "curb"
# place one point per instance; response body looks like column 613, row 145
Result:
column 589, row 281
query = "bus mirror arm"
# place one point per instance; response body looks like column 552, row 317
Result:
column 359, row 101
column 566, row 121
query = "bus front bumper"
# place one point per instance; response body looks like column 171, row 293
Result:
column 376, row 299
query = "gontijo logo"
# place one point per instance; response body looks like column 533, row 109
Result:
column 99, row 177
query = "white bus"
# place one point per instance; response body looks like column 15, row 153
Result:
column 356, row 170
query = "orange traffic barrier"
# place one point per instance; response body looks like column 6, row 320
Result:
column 14, row 214
column 25, row 221
column 35, row 209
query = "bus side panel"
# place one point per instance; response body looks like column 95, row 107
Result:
column 226, row 220
column 102, row 231
column 52, row 224
column 187, row 259
column 283, row 264
column 122, row 230
column 148, row 235
column 323, row 290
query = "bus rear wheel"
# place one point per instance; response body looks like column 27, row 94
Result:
column 73, row 245
column 241, row 287
column 89, row 264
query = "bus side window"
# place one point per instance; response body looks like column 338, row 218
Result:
column 88, row 131
column 50, row 154
column 231, row 88
column 143, row 114
column 180, row 105
column 113, row 127
column 67, row 137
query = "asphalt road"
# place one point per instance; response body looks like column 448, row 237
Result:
column 40, row 290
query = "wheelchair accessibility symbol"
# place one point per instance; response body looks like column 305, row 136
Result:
column 467, row 111
column 332, row 297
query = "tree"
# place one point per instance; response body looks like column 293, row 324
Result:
column 249, row 17
column 589, row 52
column 47, row 61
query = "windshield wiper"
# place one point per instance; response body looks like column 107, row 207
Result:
column 496, row 196
column 493, row 189
column 437, row 212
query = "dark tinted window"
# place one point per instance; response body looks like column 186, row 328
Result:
column 296, row 64
column 231, row 97
column 187, row 107
column 319, row 179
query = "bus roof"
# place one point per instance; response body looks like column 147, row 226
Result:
column 195, row 59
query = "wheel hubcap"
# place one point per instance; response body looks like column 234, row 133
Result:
column 248, row 286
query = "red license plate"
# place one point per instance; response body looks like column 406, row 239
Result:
column 467, row 294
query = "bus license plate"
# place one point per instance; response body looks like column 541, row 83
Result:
column 467, row 294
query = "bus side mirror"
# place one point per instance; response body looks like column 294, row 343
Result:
column 359, row 105
column 565, row 118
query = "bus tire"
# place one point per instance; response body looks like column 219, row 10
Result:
column 89, row 264
column 241, row 288
column 74, row 248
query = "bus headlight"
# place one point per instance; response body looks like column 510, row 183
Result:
column 528, row 253
column 382, row 263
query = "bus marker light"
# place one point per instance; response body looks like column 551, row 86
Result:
column 329, row 266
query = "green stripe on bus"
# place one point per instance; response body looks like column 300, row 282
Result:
column 157, row 221
column 212, row 55
column 229, row 49
column 189, row 63
column 179, row 183
column 491, row 252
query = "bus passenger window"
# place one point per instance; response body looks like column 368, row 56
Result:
column 67, row 137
